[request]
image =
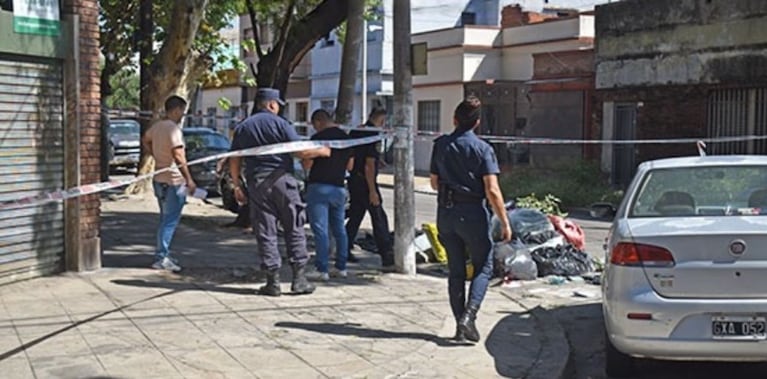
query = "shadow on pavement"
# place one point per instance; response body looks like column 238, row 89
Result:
column 583, row 324
column 361, row 332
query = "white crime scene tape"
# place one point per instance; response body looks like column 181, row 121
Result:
column 88, row 189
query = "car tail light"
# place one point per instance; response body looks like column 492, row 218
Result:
column 637, row 254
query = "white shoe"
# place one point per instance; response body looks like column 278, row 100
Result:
column 166, row 264
column 341, row 274
column 324, row 276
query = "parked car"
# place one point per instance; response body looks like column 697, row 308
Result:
column 124, row 143
column 200, row 143
column 226, row 188
column 686, row 266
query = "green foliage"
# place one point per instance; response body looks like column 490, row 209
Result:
column 548, row 205
column 125, row 90
column 224, row 103
column 576, row 184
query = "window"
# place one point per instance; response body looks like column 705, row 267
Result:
column 468, row 18
column 302, row 108
column 327, row 41
column 737, row 112
column 428, row 116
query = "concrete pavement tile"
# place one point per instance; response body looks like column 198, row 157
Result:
column 231, row 332
column 110, row 341
column 208, row 364
column 268, row 358
column 65, row 344
column 69, row 366
column 139, row 364
column 327, row 355
column 190, row 299
column 16, row 368
column 346, row 369
column 189, row 339
column 165, row 318
column 303, row 373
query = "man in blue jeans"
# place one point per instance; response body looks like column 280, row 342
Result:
column 165, row 141
column 464, row 171
column 326, row 195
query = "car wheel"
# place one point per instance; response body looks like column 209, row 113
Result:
column 618, row 364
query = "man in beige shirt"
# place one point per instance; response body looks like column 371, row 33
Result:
column 165, row 141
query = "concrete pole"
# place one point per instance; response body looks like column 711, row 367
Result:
column 404, row 190
column 364, row 89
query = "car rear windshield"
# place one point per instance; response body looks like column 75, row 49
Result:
column 702, row 191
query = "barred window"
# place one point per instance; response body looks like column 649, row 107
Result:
column 428, row 116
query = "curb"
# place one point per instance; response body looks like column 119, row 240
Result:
column 554, row 360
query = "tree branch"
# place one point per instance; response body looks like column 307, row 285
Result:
column 284, row 31
column 316, row 24
column 254, row 25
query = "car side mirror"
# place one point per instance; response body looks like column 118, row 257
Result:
column 603, row 210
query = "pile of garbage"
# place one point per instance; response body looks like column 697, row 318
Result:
column 542, row 245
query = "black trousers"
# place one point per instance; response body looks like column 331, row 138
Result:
column 359, row 199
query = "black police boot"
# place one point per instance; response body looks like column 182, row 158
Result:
column 466, row 323
column 301, row 285
column 272, row 287
column 460, row 336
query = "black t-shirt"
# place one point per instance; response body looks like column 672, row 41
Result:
column 330, row 170
column 362, row 152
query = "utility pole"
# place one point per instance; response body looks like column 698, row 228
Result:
column 404, row 190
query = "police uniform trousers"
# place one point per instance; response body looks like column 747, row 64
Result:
column 464, row 231
column 276, row 198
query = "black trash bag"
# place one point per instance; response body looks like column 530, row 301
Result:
column 529, row 226
column 563, row 260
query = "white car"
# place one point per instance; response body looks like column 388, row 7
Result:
column 686, row 272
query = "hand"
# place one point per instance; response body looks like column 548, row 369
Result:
column 324, row 151
column 374, row 199
column 506, row 233
column 239, row 195
column 191, row 187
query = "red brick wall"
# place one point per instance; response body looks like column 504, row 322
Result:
column 90, row 106
column 665, row 112
column 512, row 15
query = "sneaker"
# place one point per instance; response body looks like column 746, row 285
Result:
column 166, row 264
column 341, row 274
column 324, row 276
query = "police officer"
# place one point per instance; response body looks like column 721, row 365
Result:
column 464, row 171
column 273, row 193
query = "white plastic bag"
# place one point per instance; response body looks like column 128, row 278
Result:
column 523, row 267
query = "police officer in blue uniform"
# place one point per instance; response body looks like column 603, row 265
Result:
column 464, row 171
column 273, row 194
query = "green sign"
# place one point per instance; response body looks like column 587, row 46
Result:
column 36, row 17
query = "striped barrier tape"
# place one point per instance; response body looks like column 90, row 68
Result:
column 88, row 189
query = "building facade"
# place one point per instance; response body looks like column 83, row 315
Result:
column 50, row 134
column 682, row 69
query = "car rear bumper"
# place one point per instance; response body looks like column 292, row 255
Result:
column 679, row 329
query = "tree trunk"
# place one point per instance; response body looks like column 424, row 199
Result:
column 171, row 67
column 350, row 62
column 275, row 67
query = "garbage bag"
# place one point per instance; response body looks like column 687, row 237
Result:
column 563, row 260
column 530, row 226
column 570, row 230
column 523, row 267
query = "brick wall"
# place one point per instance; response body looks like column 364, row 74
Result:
column 560, row 64
column 90, row 124
column 512, row 15
column 664, row 112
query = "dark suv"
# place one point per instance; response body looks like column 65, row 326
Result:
column 124, row 143
column 200, row 143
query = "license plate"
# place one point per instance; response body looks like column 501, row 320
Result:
column 739, row 328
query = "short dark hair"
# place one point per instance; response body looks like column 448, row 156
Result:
column 174, row 102
column 321, row 115
column 467, row 112
column 377, row 111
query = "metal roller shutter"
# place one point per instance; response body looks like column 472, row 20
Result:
column 31, row 161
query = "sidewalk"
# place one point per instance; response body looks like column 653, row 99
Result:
column 422, row 183
column 127, row 321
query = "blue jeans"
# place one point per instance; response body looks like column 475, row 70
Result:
column 325, row 205
column 171, row 203
column 465, row 228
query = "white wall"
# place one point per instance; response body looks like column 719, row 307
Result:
column 449, row 96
